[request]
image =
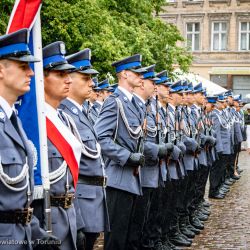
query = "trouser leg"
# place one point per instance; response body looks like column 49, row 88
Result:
column 121, row 207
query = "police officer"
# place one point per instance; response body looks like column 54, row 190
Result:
column 94, row 102
column 238, row 133
column 17, row 224
column 223, row 149
column 105, row 88
column 63, row 169
column 92, row 180
column 119, row 129
column 101, row 91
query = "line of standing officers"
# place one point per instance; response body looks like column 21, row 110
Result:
column 148, row 147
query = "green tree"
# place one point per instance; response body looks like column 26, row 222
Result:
column 113, row 29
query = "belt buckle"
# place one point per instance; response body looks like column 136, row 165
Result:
column 104, row 183
column 68, row 200
column 29, row 215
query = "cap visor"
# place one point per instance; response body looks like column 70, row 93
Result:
column 140, row 70
column 64, row 67
column 89, row 72
column 25, row 58
column 167, row 84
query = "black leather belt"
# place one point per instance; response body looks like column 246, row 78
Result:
column 16, row 216
column 93, row 180
column 64, row 201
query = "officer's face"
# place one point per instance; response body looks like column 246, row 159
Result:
column 236, row 104
column 57, row 84
column 15, row 77
column 106, row 94
column 189, row 98
column 93, row 96
column 220, row 105
column 209, row 107
column 230, row 100
column 177, row 98
column 149, row 88
column 134, row 79
column 163, row 91
column 81, row 86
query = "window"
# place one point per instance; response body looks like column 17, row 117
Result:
column 220, row 80
column 193, row 36
column 244, row 36
column 219, row 36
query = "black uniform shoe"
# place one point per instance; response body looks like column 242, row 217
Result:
column 160, row 246
column 196, row 222
column 236, row 177
column 180, row 241
column 204, row 210
column 217, row 196
column 194, row 229
column 201, row 216
column 223, row 190
column 232, row 180
column 168, row 244
column 206, row 204
column 188, row 225
column 228, row 182
column 190, row 234
column 183, row 228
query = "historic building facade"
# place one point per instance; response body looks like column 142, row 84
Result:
column 218, row 34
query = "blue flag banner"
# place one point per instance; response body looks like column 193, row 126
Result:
column 27, row 112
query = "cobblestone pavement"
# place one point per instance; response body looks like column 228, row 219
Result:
column 228, row 227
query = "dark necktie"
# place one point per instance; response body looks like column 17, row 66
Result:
column 61, row 117
column 13, row 120
column 133, row 102
column 163, row 111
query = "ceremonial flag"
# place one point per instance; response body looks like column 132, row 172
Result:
column 26, row 14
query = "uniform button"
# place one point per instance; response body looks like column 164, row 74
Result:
column 54, row 153
column 13, row 158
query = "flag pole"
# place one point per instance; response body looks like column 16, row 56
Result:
column 37, row 41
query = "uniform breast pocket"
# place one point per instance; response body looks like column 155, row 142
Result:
column 55, row 159
column 11, row 161
column 87, row 138
column 134, row 123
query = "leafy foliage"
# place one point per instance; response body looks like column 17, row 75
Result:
column 113, row 29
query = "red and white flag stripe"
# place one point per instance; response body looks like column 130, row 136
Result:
column 65, row 142
column 23, row 14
